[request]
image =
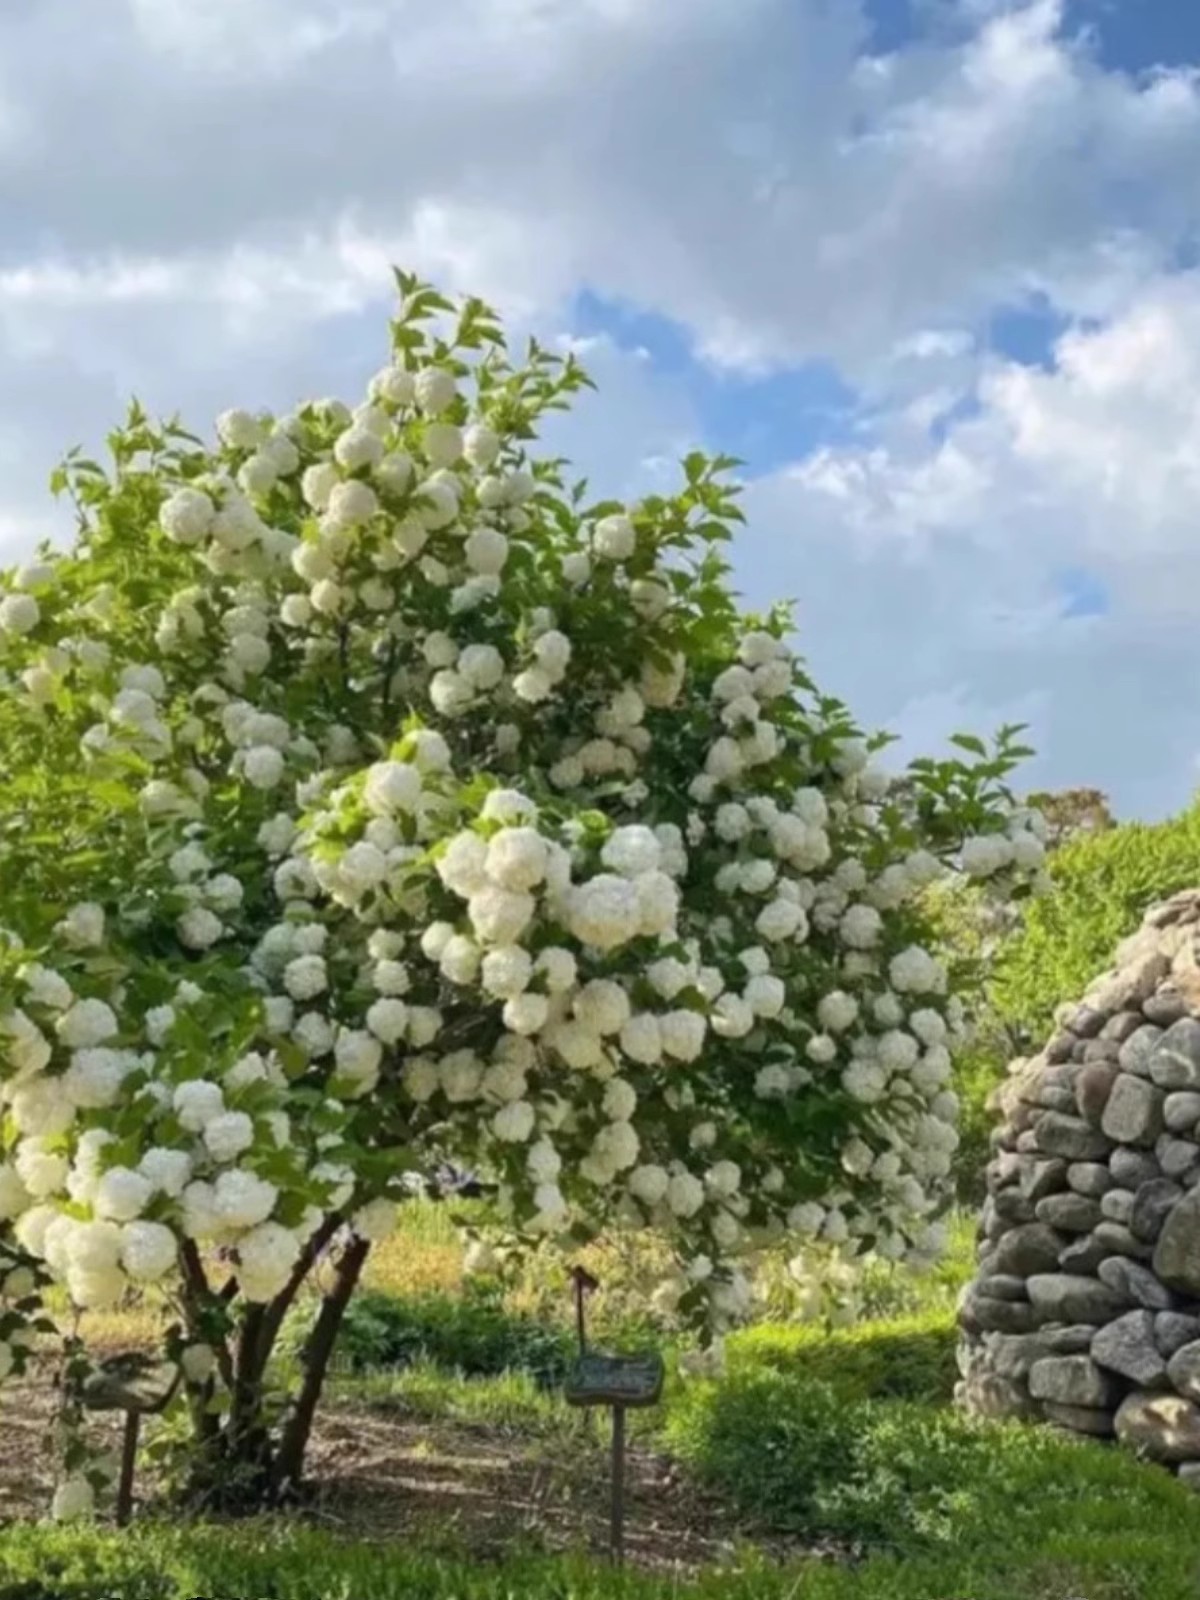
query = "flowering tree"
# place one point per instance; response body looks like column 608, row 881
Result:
column 372, row 800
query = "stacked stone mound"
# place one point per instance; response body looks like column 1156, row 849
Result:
column 1085, row 1311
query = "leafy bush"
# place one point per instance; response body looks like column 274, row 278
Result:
column 909, row 1358
column 472, row 1334
column 1102, row 886
column 890, row 1475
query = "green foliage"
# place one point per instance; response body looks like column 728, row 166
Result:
column 1103, row 885
column 909, row 1358
column 472, row 1334
column 1142, row 1544
column 880, row 1475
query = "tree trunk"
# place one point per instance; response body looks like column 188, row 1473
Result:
column 289, row 1458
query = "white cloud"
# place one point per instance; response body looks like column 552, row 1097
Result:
column 255, row 166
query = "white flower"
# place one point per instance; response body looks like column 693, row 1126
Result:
column 227, row 1135
column 434, row 390
column 199, row 928
column 615, row 538
column 482, row 665
column 915, row 971
column 682, row 1034
column 19, row 613
column 514, row 1123
column 147, row 1251
column 358, row 1055
column 87, row 1022
column 517, row 858
column 641, row 1039
column 266, row 1256
column 186, row 516
column 240, row 1199
column 166, row 1170
column 685, row 1194
column 506, row 971
column 500, row 916
column 860, row 927
column 121, row 1194
column 263, row 767
column 305, row 977
column 602, row 1006
column 197, row 1102
column 527, row 1013
column 631, row 851
column 83, row 926
column 387, row 1019
column 604, row 912
column 199, row 1363
column 533, row 685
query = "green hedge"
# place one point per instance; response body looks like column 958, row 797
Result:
column 1102, row 887
column 905, row 1358
column 906, row 1479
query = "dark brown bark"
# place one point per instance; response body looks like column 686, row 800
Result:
column 289, row 1459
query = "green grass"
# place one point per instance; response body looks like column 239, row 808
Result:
column 906, row 1358
column 1144, row 1548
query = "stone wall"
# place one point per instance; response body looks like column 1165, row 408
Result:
column 1085, row 1310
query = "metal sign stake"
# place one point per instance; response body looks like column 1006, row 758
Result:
column 617, row 1382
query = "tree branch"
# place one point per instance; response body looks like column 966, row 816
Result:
column 289, row 1459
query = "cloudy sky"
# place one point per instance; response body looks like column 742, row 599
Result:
column 930, row 267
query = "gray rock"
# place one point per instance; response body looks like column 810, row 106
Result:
column 1130, row 1168
column 1138, row 1048
column 1048, row 1098
column 1084, row 1256
column 1060, row 1047
column 1092, row 1089
column 1127, row 1347
column 981, row 1314
column 1004, row 1169
column 1067, row 1297
column 1177, row 1253
column 1092, row 1178
column 1026, row 1250
column 1133, row 1114
column 1138, row 1283
column 1060, row 1135
column 1151, row 1204
column 1178, row 1158
column 1119, row 1028
column 1106, row 1051
column 1183, row 1369
column 1069, row 1213
column 1094, row 1421
column 1040, row 1178
column 1027, row 1142
column 1003, row 1287
column 1181, row 1111
column 1011, row 1207
column 989, row 1395
column 1067, row 1339
column 1117, row 1206
column 1131, row 984
column 1120, row 1241
column 1189, row 1474
column 1164, row 1427
column 1085, row 1022
column 1175, row 1063
column 1165, row 1007
column 1011, row 1355
column 1072, row 1381
column 1172, row 1330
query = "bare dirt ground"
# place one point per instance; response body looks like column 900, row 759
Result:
column 468, row 1487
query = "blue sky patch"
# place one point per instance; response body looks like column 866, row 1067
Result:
column 1082, row 594
column 767, row 422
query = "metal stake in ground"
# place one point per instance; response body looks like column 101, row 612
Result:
column 618, row 1382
